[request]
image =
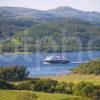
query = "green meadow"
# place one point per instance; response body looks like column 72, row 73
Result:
column 12, row 95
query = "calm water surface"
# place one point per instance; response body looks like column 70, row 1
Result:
column 37, row 67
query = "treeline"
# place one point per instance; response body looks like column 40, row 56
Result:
column 62, row 33
column 92, row 67
column 16, row 73
column 52, row 35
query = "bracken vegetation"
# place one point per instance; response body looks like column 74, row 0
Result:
column 92, row 67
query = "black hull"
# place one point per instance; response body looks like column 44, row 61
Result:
column 57, row 61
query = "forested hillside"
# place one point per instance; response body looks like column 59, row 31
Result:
column 9, row 26
column 58, row 32
column 21, row 27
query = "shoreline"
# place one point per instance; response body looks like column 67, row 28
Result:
column 51, row 52
column 18, row 53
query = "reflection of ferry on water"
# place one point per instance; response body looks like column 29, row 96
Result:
column 56, row 59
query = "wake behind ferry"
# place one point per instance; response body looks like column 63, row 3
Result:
column 56, row 59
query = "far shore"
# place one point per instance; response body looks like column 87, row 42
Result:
column 45, row 52
column 18, row 53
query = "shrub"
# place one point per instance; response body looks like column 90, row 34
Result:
column 26, row 96
column 84, row 89
column 24, row 85
column 15, row 73
column 96, row 95
column 97, row 72
column 64, row 87
column 5, row 85
column 38, row 85
column 44, row 85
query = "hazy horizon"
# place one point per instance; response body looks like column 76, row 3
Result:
column 83, row 5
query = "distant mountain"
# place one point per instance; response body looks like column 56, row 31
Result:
column 18, row 12
column 70, row 12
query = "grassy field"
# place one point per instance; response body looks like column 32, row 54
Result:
column 77, row 78
column 12, row 94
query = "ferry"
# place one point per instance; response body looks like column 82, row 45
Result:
column 56, row 59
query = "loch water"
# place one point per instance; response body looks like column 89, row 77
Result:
column 37, row 68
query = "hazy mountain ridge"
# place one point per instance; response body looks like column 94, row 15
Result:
column 70, row 12
column 58, row 12
column 23, row 12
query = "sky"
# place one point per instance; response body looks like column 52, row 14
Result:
column 85, row 5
